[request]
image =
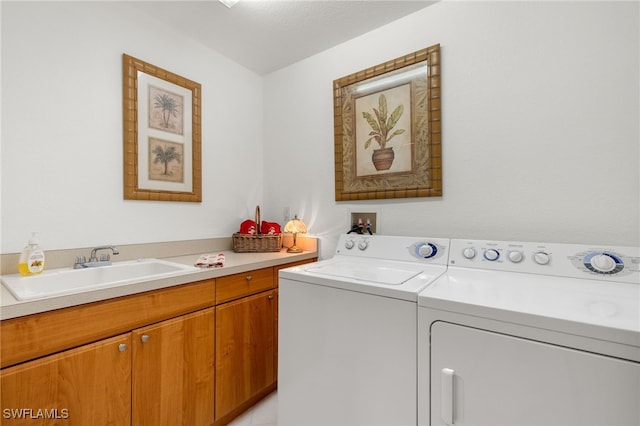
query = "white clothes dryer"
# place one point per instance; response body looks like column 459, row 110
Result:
column 347, row 332
column 531, row 334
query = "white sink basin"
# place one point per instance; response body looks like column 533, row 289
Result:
column 56, row 282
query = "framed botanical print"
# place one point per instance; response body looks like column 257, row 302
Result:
column 161, row 135
column 387, row 129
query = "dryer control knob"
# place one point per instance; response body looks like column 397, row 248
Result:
column 603, row 263
column 541, row 257
column 426, row 250
column 349, row 244
column 516, row 256
column 491, row 255
column 362, row 245
column 469, row 253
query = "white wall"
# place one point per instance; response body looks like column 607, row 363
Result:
column 540, row 125
column 62, row 129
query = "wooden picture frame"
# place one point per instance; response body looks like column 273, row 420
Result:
column 162, row 137
column 396, row 103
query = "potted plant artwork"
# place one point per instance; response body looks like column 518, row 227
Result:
column 382, row 125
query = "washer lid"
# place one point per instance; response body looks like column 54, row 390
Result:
column 390, row 274
column 400, row 280
column 598, row 309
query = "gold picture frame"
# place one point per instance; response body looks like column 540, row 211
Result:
column 161, row 134
column 396, row 102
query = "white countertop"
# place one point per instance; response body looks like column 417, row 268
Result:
column 235, row 263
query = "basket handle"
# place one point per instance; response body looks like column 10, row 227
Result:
column 258, row 227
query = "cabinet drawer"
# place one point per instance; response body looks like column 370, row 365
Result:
column 243, row 284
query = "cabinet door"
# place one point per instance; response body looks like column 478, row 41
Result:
column 244, row 350
column 88, row 385
column 275, row 334
column 173, row 371
column 484, row 378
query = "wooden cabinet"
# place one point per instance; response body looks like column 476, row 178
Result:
column 158, row 370
column 194, row 354
column 245, row 346
column 172, row 371
column 156, row 375
column 89, row 385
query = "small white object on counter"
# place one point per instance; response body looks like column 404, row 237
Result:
column 210, row 261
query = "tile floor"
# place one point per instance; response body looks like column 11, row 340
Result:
column 264, row 413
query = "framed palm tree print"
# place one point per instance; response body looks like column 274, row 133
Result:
column 161, row 135
column 387, row 137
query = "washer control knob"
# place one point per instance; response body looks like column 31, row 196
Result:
column 541, row 257
column 603, row 263
column 469, row 253
column 426, row 250
column 516, row 256
column 362, row 245
column 348, row 244
column 491, row 254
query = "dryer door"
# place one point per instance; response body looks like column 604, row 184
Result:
column 485, row 378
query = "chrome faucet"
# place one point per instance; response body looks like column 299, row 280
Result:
column 104, row 260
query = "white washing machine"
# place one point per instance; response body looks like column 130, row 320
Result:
column 531, row 334
column 347, row 332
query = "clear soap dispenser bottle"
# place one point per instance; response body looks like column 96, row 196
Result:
column 32, row 257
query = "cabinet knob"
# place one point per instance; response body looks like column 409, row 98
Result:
column 144, row 338
column 249, row 277
column 122, row 347
column 270, row 297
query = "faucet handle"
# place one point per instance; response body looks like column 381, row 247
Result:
column 79, row 263
column 104, row 257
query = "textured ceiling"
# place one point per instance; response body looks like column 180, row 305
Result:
column 266, row 35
